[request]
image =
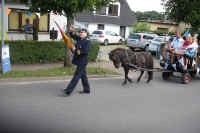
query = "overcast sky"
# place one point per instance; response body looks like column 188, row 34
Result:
column 145, row 5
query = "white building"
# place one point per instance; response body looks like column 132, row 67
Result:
column 118, row 18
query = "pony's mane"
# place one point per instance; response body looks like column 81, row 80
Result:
column 117, row 49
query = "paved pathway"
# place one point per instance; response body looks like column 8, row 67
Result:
column 157, row 107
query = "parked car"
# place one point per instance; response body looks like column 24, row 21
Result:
column 139, row 40
column 156, row 43
column 106, row 37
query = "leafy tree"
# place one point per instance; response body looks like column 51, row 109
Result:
column 149, row 15
column 69, row 8
column 141, row 27
column 187, row 11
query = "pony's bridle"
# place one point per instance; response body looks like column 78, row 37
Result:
column 115, row 60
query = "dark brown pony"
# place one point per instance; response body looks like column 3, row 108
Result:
column 125, row 57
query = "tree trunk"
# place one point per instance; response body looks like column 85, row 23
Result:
column 35, row 28
column 68, row 53
column 181, row 27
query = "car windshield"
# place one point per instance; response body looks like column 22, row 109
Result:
column 159, row 39
column 97, row 32
column 147, row 37
column 134, row 36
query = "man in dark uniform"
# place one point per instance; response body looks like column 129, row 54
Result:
column 80, row 59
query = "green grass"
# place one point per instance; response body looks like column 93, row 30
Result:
column 53, row 72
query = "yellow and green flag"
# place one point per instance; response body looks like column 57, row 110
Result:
column 65, row 37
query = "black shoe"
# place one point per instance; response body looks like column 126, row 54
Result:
column 65, row 92
column 162, row 63
column 84, row 92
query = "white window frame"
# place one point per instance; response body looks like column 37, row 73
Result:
column 107, row 8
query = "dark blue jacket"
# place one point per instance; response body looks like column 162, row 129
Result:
column 84, row 46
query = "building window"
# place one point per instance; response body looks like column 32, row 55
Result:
column 13, row 25
column 122, row 31
column 113, row 10
column 86, row 25
column 17, row 18
column 102, row 11
column 44, row 23
column 100, row 27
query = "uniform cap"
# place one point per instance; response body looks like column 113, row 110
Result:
column 83, row 29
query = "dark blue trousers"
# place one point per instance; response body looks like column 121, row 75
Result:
column 79, row 73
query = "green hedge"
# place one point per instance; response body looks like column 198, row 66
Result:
column 95, row 46
column 30, row 52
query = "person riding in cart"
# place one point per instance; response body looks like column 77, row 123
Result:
column 172, row 47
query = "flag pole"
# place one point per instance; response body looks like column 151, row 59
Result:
column 2, row 22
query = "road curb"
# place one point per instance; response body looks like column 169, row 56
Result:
column 59, row 78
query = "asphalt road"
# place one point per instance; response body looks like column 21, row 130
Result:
column 157, row 107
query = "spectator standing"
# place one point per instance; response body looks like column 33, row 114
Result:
column 28, row 30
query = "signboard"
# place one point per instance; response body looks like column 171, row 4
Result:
column 5, row 59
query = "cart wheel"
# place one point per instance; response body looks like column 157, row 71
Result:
column 166, row 75
column 186, row 78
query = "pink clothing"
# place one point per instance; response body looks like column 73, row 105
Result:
column 186, row 44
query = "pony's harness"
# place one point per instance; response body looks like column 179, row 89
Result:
column 128, row 59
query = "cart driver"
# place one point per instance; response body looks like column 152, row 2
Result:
column 173, row 45
column 176, row 43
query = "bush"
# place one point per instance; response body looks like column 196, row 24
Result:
column 160, row 32
column 94, row 51
column 30, row 52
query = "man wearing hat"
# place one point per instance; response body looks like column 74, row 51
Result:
column 80, row 59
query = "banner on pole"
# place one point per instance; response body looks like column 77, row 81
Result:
column 65, row 37
column 5, row 59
